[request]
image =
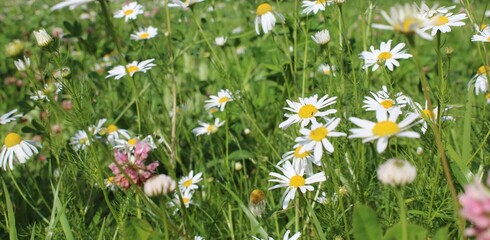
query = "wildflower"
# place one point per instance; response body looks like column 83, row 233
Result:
column 443, row 23
column 159, row 185
column 144, row 33
column 257, row 202
column 132, row 161
column 431, row 115
column 14, row 48
column 384, row 56
column 186, row 199
column 322, row 199
column 315, row 6
column 207, row 128
column 129, row 11
column 383, row 129
column 265, row 17
column 480, row 80
column 220, row 41
column 316, row 138
column 306, row 110
column 23, row 65
column 184, row 4
column 48, row 89
column 481, row 27
column 189, row 182
column 115, row 134
column 483, row 36
column 109, row 183
column 132, row 68
column 43, row 38
column 293, row 179
column 238, row 166
column 327, row 69
column 434, row 10
column 395, row 172
column 322, row 37
column 406, row 19
column 61, row 73
column 72, row 4
column 474, row 207
column 382, row 102
column 14, row 148
column 219, row 101
column 80, row 141
column 96, row 129
column 300, row 157
column 7, row 117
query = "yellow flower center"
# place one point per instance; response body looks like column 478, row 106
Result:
column 132, row 69
column 257, row 196
column 428, row 113
column 488, row 39
column 128, row 12
column 12, row 139
column 132, row 141
column 112, row 128
column 318, row 134
column 263, row 9
column 144, row 35
column 187, row 183
column 110, row 180
column 407, row 26
column 384, row 56
column 483, row 69
column 387, row 103
column 321, row 2
column 223, row 100
column 326, row 71
column 185, row 200
column 213, row 110
column 441, row 21
column 483, row 26
column 299, row 155
column 488, row 96
column 211, row 128
column 385, row 128
column 296, row 181
column 83, row 141
column 307, row 111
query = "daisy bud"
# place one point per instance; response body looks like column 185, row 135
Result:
column 43, row 38
column 238, row 166
column 448, row 50
column 420, row 151
column 14, row 48
column 395, row 172
column 220, row 41
column 61, row 73
column 321, row 37
column 159, row 185
column 246, row 131
column 257, row 202
column 23, row 65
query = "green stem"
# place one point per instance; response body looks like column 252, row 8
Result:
column 174, row 88
column 403, row 212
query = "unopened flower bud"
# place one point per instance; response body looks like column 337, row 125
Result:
column 61, row 73
column 257, row 202
column 246, row 131
column 448, row 50
column 14, row 48
column 343, row 191
column 43, row 38
column 159, row 185
column 238, row 166
column 22, row 65
column 395, row 172
column 420, row 151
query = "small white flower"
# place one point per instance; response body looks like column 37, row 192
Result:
column 183, row 4
column 220, row 41
column 395, row 172
column 480, row 80
column 306, row 110
column 219, row 101
column 144, row 33
column 72, row 4
column 432, row 116
column 129, row 11
column 7, row 117
column 382, row 102
column 322, row 37
column 300, row 157
column 443, row 23
column 384, row 56
column 207, row 128
column 80, row 141
column 23, row 65
column 292, row 179
column 132, row 68
column 115, row 134
column 483, row 36
column 327, row 69
column 434, row 10
column 186, row 198
column 265, row 17
column 43, row 38
column 15, row 148
column 189, row 182
column 315, row 6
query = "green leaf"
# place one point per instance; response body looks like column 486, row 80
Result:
column 415, row 232
column 240, row 155
column 366, row 224
column 466, row 140
column 10, row 214
column 442, row 233
column 137, row 229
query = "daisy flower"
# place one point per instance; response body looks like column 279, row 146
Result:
column 186, row 199
column 300, row 157
column 8, row 117
column 443, row 23
column 382, row 102
column 315, row 6
column 429, row 12
column 145, row 144
column 132, row 68
column 23, row 65
column 184, row 4
column 483, row 36
column 406, row 19
column 189, row 182
column 322, row 37
column 219, row 101
column 292, row 179
column 307, row 109
column 383, row 129
column 48, row 89
column 114, row 134
column 207, row 128
column 424, row 113
column 144, row 33
column 72, row 4
column 80, row 140
column 316, row 138
column 481, row 27
column 384, row 56
column 14, row 148
column 265, row 17
column 327, row 69
column 480, row 80
column 129, row 11
column 220, row 41
column 96, row 129
column 257, row 202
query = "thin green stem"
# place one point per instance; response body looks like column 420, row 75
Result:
column 403, row 212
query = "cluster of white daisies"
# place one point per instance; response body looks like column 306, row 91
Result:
column 213, row 104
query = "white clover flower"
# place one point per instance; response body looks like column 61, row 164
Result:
column 322, row 37
column 395, row 172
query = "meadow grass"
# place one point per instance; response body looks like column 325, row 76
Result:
column 62, row 193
